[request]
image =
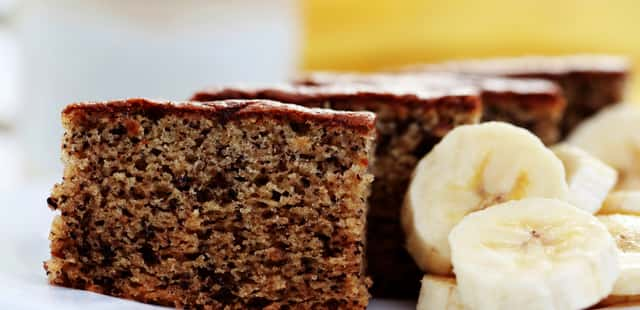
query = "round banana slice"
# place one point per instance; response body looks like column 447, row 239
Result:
column 612, row 136
column 589, row 179
column 625, row 229
column 439, row 293
column 534, row 253
column 472, row 168
column 622, row 202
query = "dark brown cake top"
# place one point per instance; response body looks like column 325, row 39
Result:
column 227, row 110
column 397, row 93
column 436, row 80
column 533, row 65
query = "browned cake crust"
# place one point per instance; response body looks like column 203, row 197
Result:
column 619, row 301
column 587, row 93
column 409, row 123
column 589, row 82
column 534, row 104
column 226, row 205
column 229, row 110
column 456, row 100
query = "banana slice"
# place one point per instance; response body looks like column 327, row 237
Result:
column 472, row 168
column 439, row 293
column 533, row 253
column 613, row 136
column 622, row 202
column 625, row 229
column 589, row 179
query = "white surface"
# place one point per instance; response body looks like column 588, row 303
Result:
column 11, row 163
column 24, row 228
column 9, row 62
column 6, row 6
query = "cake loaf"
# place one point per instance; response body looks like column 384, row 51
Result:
column 409, row 122
column 589, row 82
column 535, row 104
column 245, row 204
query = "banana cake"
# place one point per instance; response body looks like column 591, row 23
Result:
column 409, row 122
column 239, row 204
column 535, row 104
column 589, row 82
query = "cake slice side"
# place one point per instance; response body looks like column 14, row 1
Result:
column 237, row 204
column 535, row 104
column 589, row 82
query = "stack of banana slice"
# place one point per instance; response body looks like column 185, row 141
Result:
column 613, row 136
column 499, row 221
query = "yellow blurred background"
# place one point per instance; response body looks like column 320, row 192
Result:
column 368, row 35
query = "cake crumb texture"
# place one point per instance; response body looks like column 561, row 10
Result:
column 202, row 206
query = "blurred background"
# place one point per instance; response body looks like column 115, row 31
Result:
column 56, row 52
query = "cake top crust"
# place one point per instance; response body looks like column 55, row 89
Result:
column 227, row 110
column 397, row 90
column 438, row 80
column 533, row 65
column 464, row 98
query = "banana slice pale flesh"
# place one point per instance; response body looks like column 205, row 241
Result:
column 625, row 229
column 589, row 179
column 472, row 168
column 439, row 293
column 533, row 253
column 613, row 136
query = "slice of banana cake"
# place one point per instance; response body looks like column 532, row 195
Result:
column 409, row 122
column 235, row 204
column 589, row 82
column 535, row 104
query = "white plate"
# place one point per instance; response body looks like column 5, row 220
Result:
column 24, row 228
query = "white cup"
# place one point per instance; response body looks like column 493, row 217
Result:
column 78, row 50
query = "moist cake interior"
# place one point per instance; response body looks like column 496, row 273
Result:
column 186, row 208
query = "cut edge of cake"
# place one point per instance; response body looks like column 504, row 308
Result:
column 589, row 82
column 535, row 104
column 123, row 203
